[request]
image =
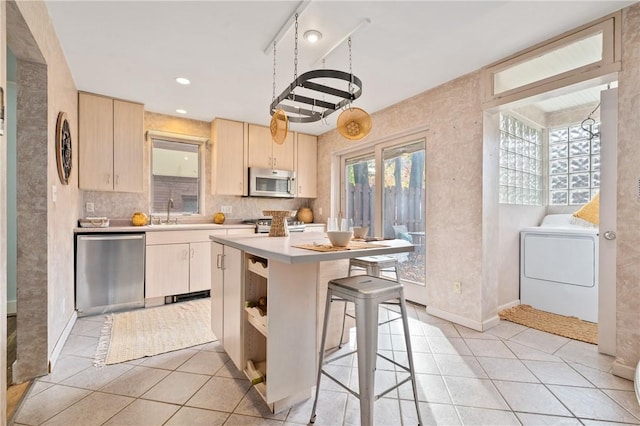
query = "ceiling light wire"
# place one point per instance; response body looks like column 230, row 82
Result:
column 295, row 52
column 302, row 5
column 364, row 22
column 273, row 96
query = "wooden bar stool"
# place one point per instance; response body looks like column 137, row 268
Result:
column 367, row 293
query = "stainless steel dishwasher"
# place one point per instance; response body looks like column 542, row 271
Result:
column 109, row 272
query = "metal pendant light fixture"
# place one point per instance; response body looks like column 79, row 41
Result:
column 303, row 100
column 279, row 125
column 353, row 123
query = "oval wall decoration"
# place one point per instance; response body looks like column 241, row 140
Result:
column 63, row 148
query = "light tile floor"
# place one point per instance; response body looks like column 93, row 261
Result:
column 508, row 375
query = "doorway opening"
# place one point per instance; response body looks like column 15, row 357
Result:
column 572, row 154
column 31, row 201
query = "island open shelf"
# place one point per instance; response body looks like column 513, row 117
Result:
column 279, row 351
column 287, row 331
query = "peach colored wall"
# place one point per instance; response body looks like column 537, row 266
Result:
column 628, row 219
column 454, row 156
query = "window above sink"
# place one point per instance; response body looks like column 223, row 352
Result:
column 177, row 186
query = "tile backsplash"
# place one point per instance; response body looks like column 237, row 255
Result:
column 122, row 205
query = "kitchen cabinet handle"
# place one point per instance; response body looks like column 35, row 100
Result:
column 117, row 180
column 222, row 263
column 275, row 160
column 108, row 178
column 185, row 254
column 193, row 252
column 219, row 261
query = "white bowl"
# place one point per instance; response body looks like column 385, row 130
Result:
column 360, row 231
column 339, row 238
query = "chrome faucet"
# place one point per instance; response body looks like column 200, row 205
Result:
column 169, row 205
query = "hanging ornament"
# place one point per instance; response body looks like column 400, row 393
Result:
column 279, row 126
column 353, row 123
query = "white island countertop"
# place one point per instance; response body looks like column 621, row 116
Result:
column 281, row 248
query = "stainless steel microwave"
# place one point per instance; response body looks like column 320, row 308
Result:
column 271, row 183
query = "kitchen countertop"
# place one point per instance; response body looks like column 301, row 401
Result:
column 280, row 248
column 155, row 228
column 178, row 227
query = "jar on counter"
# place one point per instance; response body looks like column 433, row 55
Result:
column 139, row 219
column 305, row 214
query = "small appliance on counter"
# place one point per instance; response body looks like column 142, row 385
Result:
column 94, row 222
column 263, row 225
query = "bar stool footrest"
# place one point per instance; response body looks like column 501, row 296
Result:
column 338, row 382
column 405, row 368
column 397, row 385
column 339, row 357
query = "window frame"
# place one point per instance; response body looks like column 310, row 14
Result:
column 611, row 62
column 365, row 151
column 201, row 143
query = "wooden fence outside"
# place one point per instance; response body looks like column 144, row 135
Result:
column 402, row 206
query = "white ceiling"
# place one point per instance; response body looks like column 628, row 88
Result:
column 134, row 50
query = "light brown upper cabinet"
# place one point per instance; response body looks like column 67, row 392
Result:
column 229, row 167
column 265, row 153
column 110, row 144
column 306, row 165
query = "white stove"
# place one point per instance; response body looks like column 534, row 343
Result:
column 264, row 225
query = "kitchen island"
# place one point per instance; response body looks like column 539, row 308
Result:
column 279, row 350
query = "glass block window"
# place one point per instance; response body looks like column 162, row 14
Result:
column 520, row 162
column 574, row 164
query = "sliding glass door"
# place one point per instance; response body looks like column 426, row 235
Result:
column 383, row 187
column 403, row 215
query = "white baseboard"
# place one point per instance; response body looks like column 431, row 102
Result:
column 12, row 307
column 490, row 323
column 509, row 305
column 624, row 371
column 466, row 322
column 55, row 354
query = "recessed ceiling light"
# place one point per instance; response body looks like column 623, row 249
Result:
column 312, row 36
column 181, row 111
column 183, row 80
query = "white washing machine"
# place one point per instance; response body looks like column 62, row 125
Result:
column 559, row 267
